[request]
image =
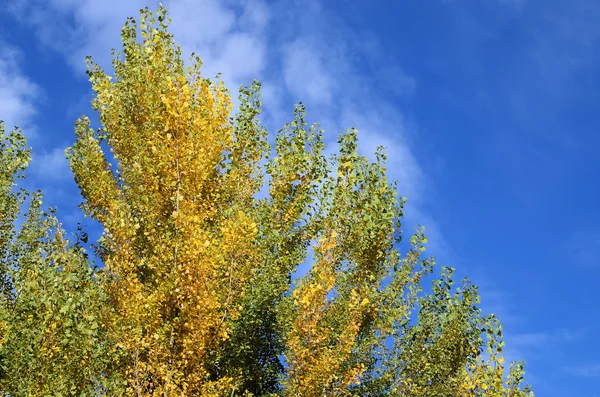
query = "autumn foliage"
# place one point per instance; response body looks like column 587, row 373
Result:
column 205, row 224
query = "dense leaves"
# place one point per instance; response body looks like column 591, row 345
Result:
column 205, row 224
column 51, row 339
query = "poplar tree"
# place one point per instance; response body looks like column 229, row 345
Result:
column 199, row 267
column 51, row 339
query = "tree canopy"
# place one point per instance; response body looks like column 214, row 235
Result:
column 205, row 224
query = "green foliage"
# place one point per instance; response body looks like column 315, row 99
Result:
column 51, row 336
column 197, row 297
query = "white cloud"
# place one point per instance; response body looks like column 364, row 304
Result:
column 78, row 28
column 200, row 23
column 305, row 74
column 241, row 59
column 18, row 94
column 50, row 166
column 379, row 124
column 229, row 37
column 255, row 16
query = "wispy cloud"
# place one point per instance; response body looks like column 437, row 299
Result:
column 306, row 75
column 18, row 94
column 50, row 166
column 584, row 249
column 228, row 35
column 77, row 28
column 517, row 4
column 314, row 58
column 584, row 371
column 564, row 43
column 542, row 339
column 543, row 72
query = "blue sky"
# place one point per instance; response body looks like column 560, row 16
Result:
column 488, row 109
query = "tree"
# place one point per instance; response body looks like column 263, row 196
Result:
column 199, row 268
column 51, row 341
column 181, row 233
